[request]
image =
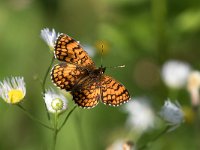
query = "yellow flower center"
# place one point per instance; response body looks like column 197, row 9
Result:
column 15, row 96
column 57, row 104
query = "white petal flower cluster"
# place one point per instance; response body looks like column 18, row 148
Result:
column 172, row 114
column 56, row 103
column 141, row 116
column 175, row 73
column 13, row 90
column 49, row 37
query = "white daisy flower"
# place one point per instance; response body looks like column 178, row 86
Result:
column 141, row 116
column 49, row 37
column 172, row 114
column 175, row 73
column 13, row 90
column 55, row 102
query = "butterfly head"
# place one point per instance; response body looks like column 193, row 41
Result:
column 100, row 70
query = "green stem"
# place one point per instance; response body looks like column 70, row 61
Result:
column 146, row 145
column 159, row 12
column 67, row 118
column 173, row 93
column 197, row 126
column 46, row 74
column 33, row 118
column 79, row 130
column 55, row 133
column 44, row 82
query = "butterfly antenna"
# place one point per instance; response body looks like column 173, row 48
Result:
column 101, row 55
column 121, row 66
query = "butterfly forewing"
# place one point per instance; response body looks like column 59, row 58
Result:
column 112, row 92
column 66, row 75
column 69, row 50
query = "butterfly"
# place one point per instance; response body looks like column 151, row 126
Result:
column 78, row 74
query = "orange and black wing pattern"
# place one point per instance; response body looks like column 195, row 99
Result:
column 66, row 75
column 113, row 93
column 69, row 50
column 87, row 93
column 78, row 74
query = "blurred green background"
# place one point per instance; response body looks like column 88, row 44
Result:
column 142, row 34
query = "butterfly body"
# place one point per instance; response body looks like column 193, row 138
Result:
column 99, row 71
column 78, row 74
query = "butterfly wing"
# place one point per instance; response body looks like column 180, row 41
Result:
column 87, row 93
column 112, row 92
column 75, row 76
column 69, row 50
column 66, row 75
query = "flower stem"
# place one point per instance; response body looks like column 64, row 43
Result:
column 55, row 133
column 44, row 82
column 197, row 126
column 173, row 93
column 33, row 118
column 146, row 145
column 80, row 132
column 159, row 12
column 67, row 118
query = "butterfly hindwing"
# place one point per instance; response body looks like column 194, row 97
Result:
column 112, row 92
column 87, row 93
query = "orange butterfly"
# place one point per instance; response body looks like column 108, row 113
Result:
column 78, row 74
